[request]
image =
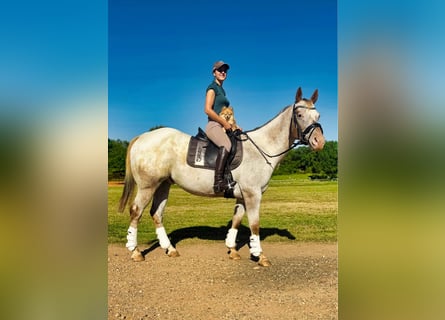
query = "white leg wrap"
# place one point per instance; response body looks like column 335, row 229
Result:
column 164, row 241
column 132, row 241
column 255, row 246
column 231, row 238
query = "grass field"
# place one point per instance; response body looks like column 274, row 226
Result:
column 292, row 209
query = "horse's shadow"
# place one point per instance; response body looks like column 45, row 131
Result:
column 219, row 233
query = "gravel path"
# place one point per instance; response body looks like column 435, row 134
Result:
column 204, row 284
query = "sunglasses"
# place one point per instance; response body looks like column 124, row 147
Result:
column 221, row 70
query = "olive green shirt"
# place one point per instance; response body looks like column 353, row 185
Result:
column 220, row 97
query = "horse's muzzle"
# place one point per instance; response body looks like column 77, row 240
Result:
column 313, row 136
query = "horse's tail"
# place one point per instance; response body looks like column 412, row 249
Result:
column 129, row 180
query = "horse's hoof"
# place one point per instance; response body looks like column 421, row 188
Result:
column 172, row 252
column 233, row 254
column 263, row 261
column 137, row 256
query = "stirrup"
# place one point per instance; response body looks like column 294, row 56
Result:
column 229, row 179
column 229, row 193
column 224, row 186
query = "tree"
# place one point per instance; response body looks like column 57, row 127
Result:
column 328, row 159
column 323, row 164
column 156, row 127
column 117, row 151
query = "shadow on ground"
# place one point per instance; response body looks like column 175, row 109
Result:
column 219, row 233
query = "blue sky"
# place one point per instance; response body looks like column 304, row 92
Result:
column 160, row 57
column 53, row 55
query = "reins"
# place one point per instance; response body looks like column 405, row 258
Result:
column 262, row 152
column 302, row 134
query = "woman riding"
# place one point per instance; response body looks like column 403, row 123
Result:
column 214, row 101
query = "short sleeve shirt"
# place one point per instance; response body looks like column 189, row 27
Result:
column 220, row 97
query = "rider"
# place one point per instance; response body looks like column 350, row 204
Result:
column 215, row 100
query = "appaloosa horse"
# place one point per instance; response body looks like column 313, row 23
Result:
column 157, row 159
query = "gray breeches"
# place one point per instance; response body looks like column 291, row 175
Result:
column 216, row 133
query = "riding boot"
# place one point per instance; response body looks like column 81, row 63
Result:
column 220, row 184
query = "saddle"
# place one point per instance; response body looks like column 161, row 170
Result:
column 202, row 152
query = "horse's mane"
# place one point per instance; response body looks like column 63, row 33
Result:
column 282, row 111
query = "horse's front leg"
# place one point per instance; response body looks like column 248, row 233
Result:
column 252, row 202
column 233, row 231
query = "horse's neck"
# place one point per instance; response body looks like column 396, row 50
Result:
column 277, row 135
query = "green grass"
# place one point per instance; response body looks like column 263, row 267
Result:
column 293, row 209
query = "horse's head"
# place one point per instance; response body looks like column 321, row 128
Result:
column 306, row 117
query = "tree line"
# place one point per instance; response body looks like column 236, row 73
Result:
column 320, row 165
column 117, row 151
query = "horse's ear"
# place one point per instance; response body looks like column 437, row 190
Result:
column 299, row 95
column 314, row 97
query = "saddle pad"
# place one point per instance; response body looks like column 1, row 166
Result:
column 202, row 154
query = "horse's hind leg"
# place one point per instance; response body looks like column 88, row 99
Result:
column 141, row 200
column 157, row 210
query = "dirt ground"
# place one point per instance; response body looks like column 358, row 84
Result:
column 204, row 284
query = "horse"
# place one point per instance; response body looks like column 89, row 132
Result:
column 157, row 159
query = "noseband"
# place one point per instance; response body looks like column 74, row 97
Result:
column 309, row 129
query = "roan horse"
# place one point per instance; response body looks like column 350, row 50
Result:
column 157, row 159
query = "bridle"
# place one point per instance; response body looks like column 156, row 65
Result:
column 301, row 135
column 309, row 129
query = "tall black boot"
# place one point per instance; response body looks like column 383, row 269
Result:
column 220, row 185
